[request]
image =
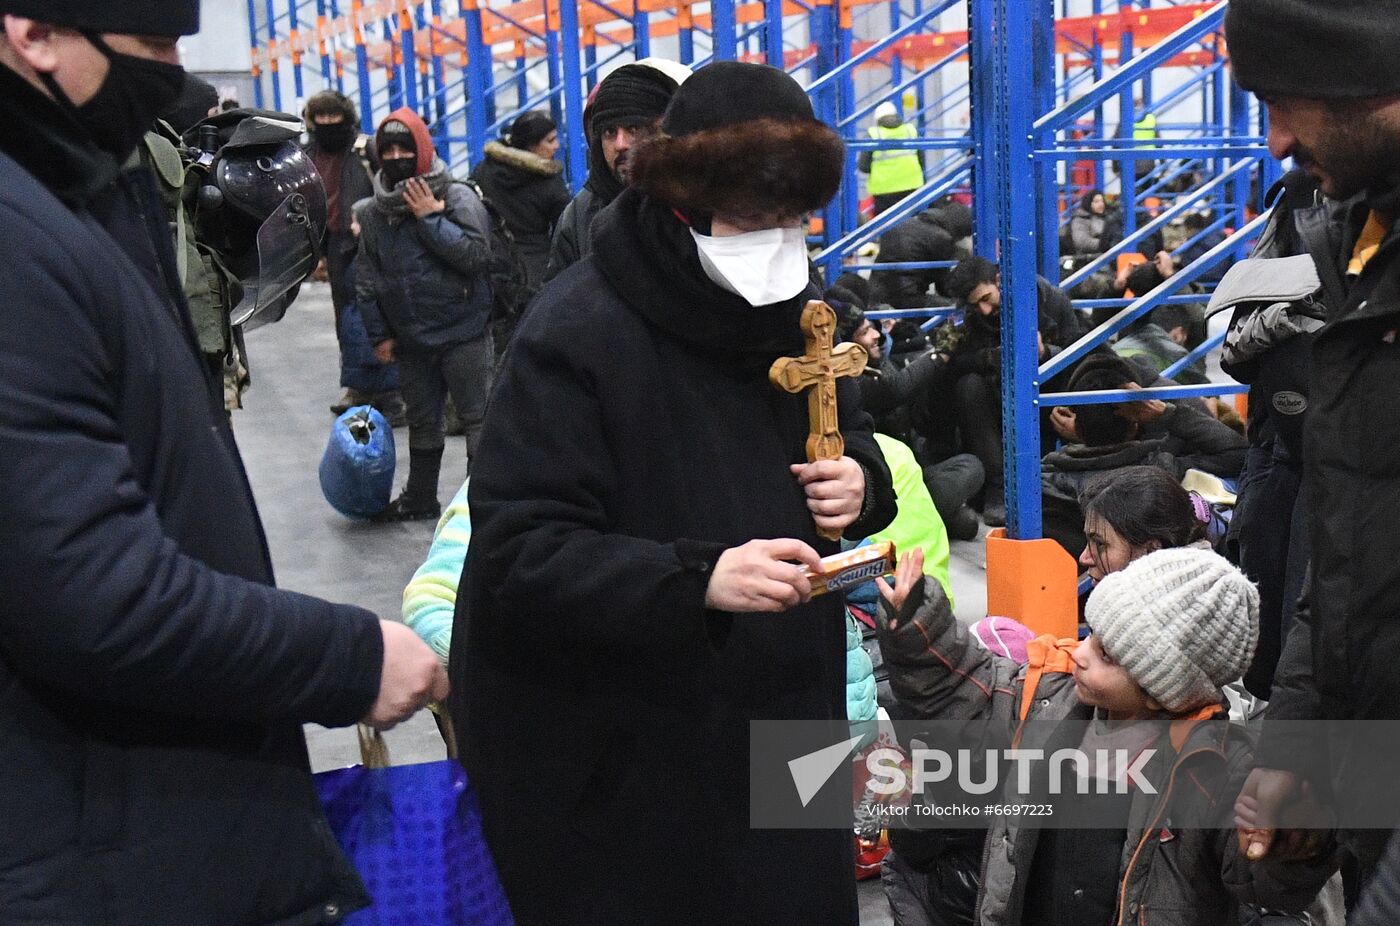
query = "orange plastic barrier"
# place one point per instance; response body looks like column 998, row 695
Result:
column 1034, row 582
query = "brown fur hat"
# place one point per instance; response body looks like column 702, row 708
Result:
column 741, row 139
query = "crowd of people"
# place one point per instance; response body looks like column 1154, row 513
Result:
column 623, row 583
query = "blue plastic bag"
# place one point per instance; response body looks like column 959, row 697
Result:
column 413, row 832
column 357, row 469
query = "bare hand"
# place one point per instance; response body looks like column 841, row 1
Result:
column 411, row 678
column 1063, row 421
column 418, row 197
column 1142, row 412
column 1165, row 265
column 835, row 492
column 1277, row 817
column 758, row 577
column 909, row 572
column 384, row 351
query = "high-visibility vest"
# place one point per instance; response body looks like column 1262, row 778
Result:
column 1145, row 129
column 896, row 170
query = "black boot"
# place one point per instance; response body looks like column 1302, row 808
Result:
column 418, row 501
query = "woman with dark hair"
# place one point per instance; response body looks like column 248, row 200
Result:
column 1135, row 511
column 1096, row 226
column 525, row 184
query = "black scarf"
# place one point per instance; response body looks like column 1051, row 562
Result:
column 600, row 177
column 49, row 143
column 647, row 254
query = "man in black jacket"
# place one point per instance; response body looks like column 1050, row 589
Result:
column 1341, row 660
column 641, row 499
column 153, row 682
column 625, row 111
column 932, row 235
column 335, row 147
column 971, row 345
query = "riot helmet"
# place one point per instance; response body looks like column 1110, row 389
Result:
column 262, row 207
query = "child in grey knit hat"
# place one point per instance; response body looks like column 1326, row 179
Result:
column 1168, row 632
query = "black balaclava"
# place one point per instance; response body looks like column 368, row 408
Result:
column 397, row 170
column 336, row 137
column 129, row 101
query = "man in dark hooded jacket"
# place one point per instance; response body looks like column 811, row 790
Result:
column 153, row 682
column 625, row 111
column 1341, row 658
column 639, row 497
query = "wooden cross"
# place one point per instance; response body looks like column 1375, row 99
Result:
column 816, row 370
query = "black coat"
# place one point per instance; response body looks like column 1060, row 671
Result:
column 153, row 683
column 529, row 193
column 921, row 238
column 1340, row 661
column 632, row 437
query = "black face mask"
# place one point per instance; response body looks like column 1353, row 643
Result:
column 127, row 104
column 397, row 170
column 335, row 137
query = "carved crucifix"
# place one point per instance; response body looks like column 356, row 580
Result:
column 816, row 371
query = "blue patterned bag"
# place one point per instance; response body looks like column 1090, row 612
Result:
column 414, row 834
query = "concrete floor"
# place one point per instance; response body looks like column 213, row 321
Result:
column 282, row 432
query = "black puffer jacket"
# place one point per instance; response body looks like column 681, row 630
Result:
column 153, row 682
column 922, row 238
column 529, row 193
column 1340, row 661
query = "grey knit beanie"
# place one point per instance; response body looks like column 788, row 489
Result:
column 1182, row 622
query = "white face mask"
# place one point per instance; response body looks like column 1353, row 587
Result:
column 762, row 267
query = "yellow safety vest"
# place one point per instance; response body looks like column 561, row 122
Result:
column 897, row 170
column 1145, row 129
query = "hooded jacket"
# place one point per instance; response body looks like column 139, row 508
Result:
column 153, row 682
column 1168, row 874
column 424, row 282
column 529, row 193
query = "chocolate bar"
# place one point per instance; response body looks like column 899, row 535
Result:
column 854, row 567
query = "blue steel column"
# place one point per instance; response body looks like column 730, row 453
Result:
column 293, row 36
column 439, row 76
column 575, row 144
column 982, row 75
column 685, row 33
column 773, row 33
column 362, row 69
column 254, row 42
column 272, row 54
column 845, row 102
column 322, row 46
column 478, row 73
column 1098, row 76
column 1047, row 171
column 408, row 71
column 1015, row 173
column 1127, row 117
column 724, row 28
column 394, row 72
column 641, row 32
column 823, row 28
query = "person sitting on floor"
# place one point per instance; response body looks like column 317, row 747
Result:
column 1173, row 437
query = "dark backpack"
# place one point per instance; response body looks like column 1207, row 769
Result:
column 510, row 280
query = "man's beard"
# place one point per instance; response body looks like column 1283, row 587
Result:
column 622, row 167
column 1361, row 153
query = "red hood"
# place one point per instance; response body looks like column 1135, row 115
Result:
column 422, row 138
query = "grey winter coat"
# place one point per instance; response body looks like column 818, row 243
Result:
column 424, row 282
column 1169, row 875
